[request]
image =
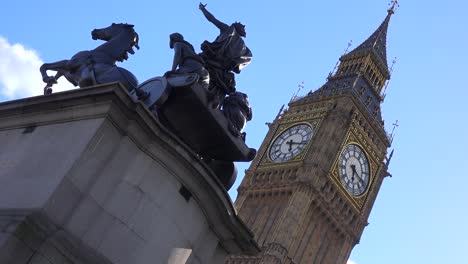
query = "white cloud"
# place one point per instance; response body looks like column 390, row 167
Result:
column 350, row 262
column 19, row 72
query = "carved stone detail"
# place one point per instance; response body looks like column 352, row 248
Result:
column 274, row 253
column 242, row 259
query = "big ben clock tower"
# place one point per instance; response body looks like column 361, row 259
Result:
column 309, row 192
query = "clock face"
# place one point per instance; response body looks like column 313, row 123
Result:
column 354, row 170
column 291, row 142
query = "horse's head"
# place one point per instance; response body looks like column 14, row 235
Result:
column 125, row 36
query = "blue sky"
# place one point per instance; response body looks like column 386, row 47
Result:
column 421, row 213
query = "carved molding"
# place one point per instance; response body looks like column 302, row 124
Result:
column 275, row 250
column 242, row 259
column 272, row 177
column 368, row 136
column 337, row 211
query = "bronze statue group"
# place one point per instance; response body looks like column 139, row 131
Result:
column 215, row 65
column 214, row 69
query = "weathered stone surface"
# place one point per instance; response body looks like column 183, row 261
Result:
column 31, row 164
column 100, row 182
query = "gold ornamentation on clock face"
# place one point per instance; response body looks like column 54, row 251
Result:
column 354, row 170
column 291, row 142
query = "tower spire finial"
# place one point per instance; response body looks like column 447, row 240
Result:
column 393, row 6
column 338, row 62
column 384, row 93
column 299, row 88
column 392, row 135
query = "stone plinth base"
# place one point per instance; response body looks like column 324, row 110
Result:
column 90, row 176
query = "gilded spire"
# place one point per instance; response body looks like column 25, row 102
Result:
column 394, row 4
column 363, row 72
column 377, row 42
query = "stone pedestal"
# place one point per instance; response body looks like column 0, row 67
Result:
column 90, row 176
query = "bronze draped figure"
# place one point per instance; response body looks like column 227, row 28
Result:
column 223, row 57
column 186, row 60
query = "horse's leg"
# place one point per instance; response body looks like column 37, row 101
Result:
column 53, row 80
column 61, row 67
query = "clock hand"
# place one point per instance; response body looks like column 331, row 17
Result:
column 298, row 143
column 353, row 183
column 360, row 179
column 290, row 143
column 353, row 167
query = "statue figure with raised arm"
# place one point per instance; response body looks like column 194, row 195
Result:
column 227, row 54
column 186, row 60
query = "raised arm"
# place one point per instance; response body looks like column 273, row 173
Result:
column 211, row 18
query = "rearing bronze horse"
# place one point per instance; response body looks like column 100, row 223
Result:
column 87, row 68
